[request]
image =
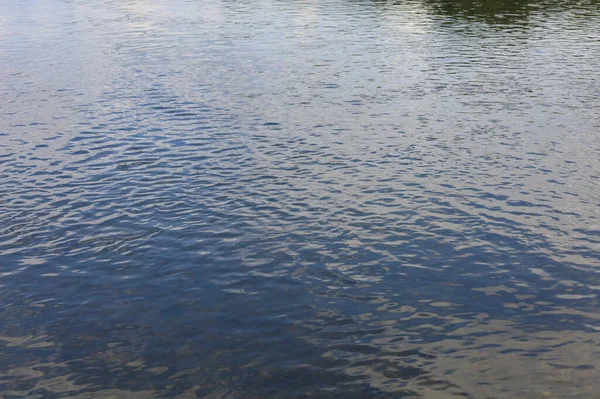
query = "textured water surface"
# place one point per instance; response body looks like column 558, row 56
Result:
column 324, row 198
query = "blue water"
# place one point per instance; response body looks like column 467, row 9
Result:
column 318, row 198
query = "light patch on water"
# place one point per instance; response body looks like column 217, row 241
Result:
column 574, row 296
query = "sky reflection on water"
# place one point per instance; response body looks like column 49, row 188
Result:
column 244, row 199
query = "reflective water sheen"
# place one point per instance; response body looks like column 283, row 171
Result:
column 277, row 199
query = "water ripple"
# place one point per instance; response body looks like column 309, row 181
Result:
column 270, row 199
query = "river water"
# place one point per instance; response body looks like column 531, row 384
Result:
column 312, row 198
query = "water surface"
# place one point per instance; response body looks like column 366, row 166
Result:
column 324, row 198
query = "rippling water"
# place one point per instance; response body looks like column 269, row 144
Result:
column 325, row 198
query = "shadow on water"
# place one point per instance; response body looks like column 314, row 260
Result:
column 509, row 14
column 502, row 12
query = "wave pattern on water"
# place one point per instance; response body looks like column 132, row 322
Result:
column 272, row 199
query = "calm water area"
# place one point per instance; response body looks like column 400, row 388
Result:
column 247, row 199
